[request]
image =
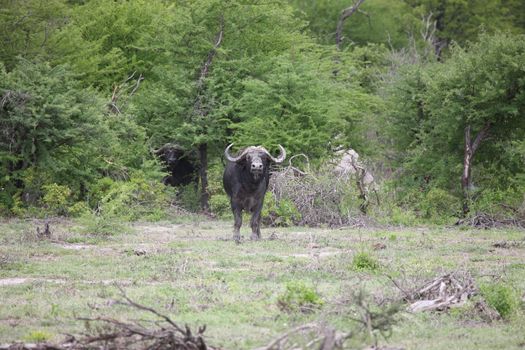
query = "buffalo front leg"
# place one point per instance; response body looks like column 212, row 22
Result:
column 237, row 222
column 255, row 223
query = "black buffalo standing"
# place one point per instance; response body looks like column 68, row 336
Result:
column 245, row 180
column 179, row 164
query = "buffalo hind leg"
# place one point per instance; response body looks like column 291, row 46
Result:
column 237, row 223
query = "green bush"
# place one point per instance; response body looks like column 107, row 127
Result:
column 188, row 197
column 501, row 297
column 282, row 213
column 220, row 205
column 500, row 203
column 56, row 198
column 364, row 261
column 78, row 209
column 138, row 198
column 350, row 201
column 404, row 217
column 99, row 190
column 439, row 205
column 299, row 297
column 99, row 225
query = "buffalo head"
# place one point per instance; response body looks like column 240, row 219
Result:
column 255, row 158
column 179, row 163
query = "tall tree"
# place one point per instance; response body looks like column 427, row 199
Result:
column 477, row 95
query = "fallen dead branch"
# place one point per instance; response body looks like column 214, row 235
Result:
column 482, row 220
column 109, row 333
column 327, row 337
column 446, row 291
column 509, row 244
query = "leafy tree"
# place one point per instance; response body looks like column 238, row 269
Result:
column 26, row 27
column 54, row 128
column 453, row 109
column 305, row 108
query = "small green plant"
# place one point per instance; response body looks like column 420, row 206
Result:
column 364, row 261
column 501, row 297
column 38, row 336
column 100, row 225
column 299, row 297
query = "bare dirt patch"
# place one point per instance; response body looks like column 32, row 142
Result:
column 13, row 281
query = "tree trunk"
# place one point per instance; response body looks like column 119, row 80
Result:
column 201, row 110
column 470, row 149
column 203, row 174
column 465, row 177
column 344, row 15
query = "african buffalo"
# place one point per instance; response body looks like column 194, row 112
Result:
column 178, row 163
column 245, row 181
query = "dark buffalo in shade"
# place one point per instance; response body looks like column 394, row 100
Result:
column 245, row 180
column 179, row 164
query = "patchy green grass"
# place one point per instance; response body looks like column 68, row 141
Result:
column 195, row 273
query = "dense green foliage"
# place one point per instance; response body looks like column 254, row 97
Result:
column 89, row 88
column 431, row 105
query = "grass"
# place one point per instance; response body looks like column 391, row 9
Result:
column 193, row 272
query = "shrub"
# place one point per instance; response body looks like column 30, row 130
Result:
column 220, row 205
column 501, row 297
column 56, row 198
column 282, row 213
column 99, row 190
column 138, row 198
column 78, row 209
column 404, row 217
column 99, row 225
column 299, row 297
column 188, row 197
column 499, row 203
column 438, row 205
column 364, row 261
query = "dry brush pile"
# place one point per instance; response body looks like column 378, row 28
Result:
column 323, row 197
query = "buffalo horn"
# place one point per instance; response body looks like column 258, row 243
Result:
column 230, row 157
column 281, row 157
